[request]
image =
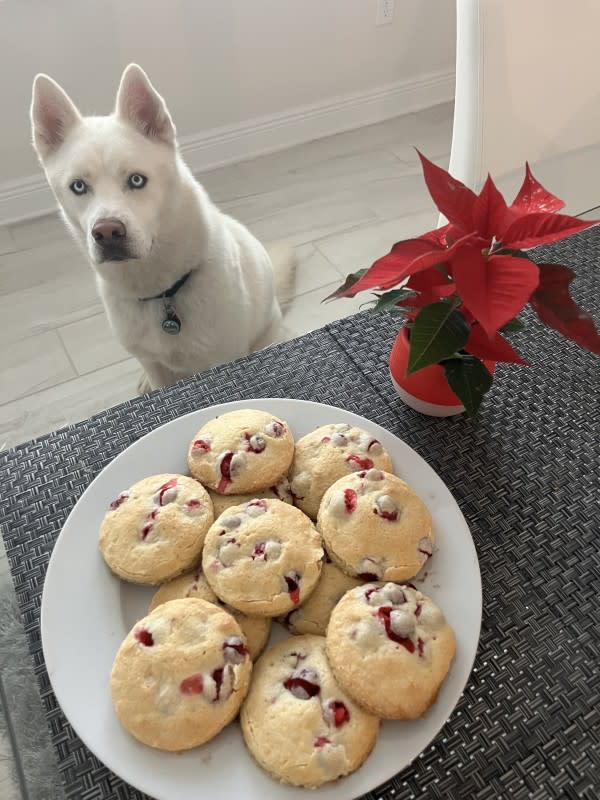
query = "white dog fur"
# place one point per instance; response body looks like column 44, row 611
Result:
column 229, row 306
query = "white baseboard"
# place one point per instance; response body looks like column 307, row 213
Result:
column 30, row 196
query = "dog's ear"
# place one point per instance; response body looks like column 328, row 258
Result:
column 140, row 104
column 53, row 114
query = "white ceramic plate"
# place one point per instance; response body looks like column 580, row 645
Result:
column 86, row 612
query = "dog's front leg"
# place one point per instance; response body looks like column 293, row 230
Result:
column 157, row 376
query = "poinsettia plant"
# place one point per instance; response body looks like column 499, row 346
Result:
column 462, row 286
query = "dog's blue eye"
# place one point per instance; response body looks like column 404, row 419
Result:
column 79, row 187
column 137, row 181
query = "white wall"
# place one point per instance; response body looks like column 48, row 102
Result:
column 218, row 62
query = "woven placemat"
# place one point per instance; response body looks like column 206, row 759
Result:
column 525, row 474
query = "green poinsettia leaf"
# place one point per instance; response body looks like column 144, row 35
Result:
column 351, row 279
column 469, row 380
column 438, row 332
column 387, row 301
column 512, row 326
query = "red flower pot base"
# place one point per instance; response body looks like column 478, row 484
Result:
column 427, row 390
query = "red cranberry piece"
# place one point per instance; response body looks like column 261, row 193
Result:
column 369, row 592
column 375, row 444
column 303, row 684
column 192, row 505
column 418, row 610
column 350, row 500
column 201, row 446
column 254, row 442
column 293, row 587
column 148, row 528
column 171, row 484
column 295, row 654
column 426, row 553
column 234, row 650
column 340, row 712
column 321, row 741
column 259, row 551
column 144, row 637
column 119, row 501
column 325, row 439
column 420, row 646
column 217, row 676
column 384, row 615
column 363, row 463
column 192, row 685
column 259, row 502
column 225, row 472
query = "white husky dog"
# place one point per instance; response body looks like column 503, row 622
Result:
column 185, row 287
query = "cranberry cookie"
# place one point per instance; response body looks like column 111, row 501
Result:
column 263, row 557
column 180, row 675
column 193, row 584
column 241, row 452
column 155, row 530
column 280, row 491
column 297, row 722
column 329, row 453
column 313, row 615
column 390, row 648
column 375, row 527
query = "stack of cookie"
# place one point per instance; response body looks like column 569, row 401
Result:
column 234, row 547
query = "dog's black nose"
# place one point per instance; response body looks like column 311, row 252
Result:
column 109, row 232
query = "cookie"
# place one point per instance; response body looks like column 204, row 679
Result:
column 241, row 452
column 263, row 557
column 390, row 648
column 280, row 491
column 298, row 723
column 155, row 530
column 330, row 453
column 375, row 527
column 193, row 584
column 180, row 675
column 313, row 615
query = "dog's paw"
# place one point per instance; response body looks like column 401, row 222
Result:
column 144, row 385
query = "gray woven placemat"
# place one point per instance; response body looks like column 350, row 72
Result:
column 526, row 477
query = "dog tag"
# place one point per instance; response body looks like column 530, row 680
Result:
column 172, row 324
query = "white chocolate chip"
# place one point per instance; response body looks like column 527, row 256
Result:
column 339, row 440
column 430, row 615
column 238, row 462
column 230, row 522
column 391, row 593
column 337, row 504
column 169, row 496
column 386, row 505
column 374, row 475
column 402, row 622
column 301, row 484
column 272, row 550
column 257, row 442
column 374, row 448
column 255, row 508
column 274, row 429
column 228, row 552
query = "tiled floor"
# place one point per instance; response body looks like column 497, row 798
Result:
column 341, row 201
